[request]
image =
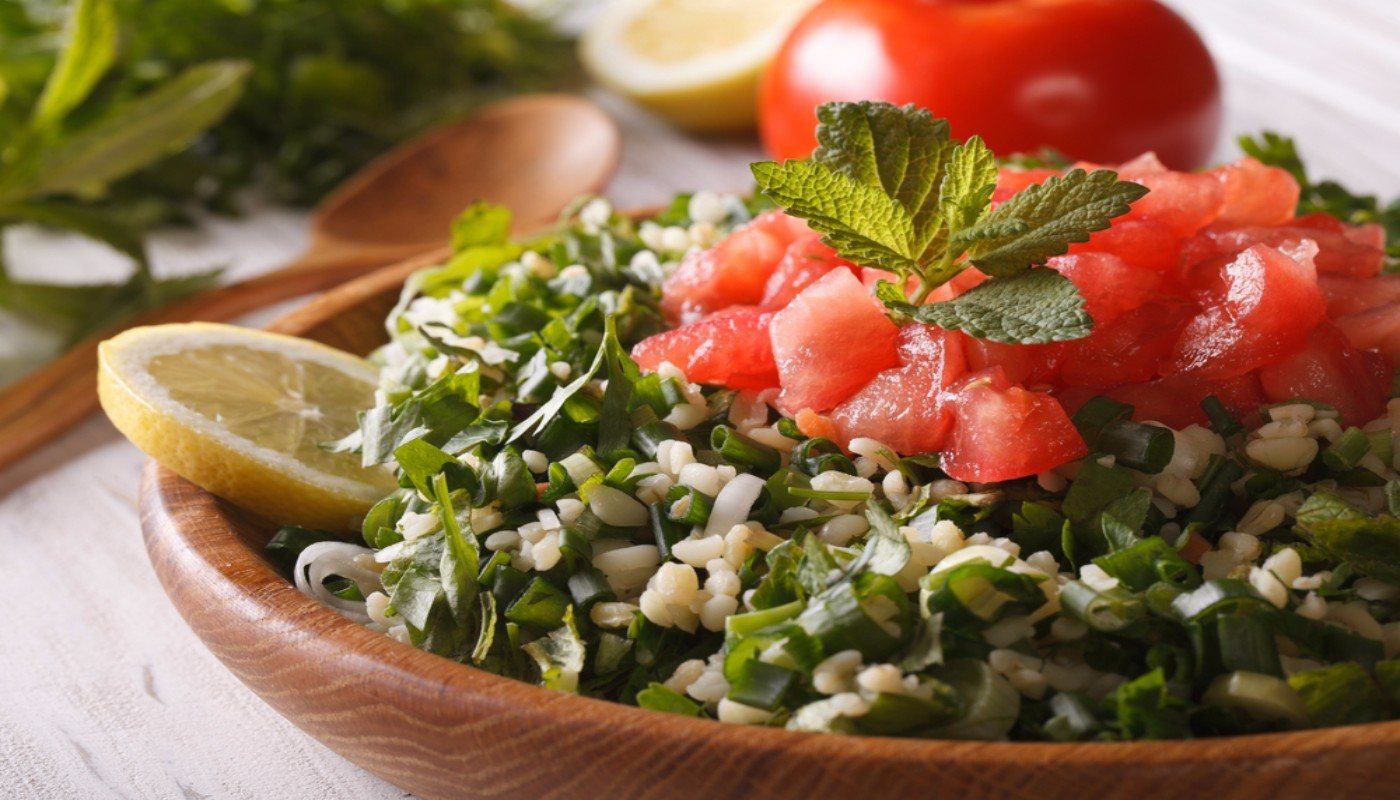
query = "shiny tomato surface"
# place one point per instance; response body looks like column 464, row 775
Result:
column 1100, row 80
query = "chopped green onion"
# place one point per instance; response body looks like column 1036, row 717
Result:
column 650, row 436
column 694, row 505
column 1220, row 419
column 1146, row 448
column 1263, row 697
column 762, row 685
column 540, row 607
column 1107, row 611
column 744, row 452
column 740, row 625
column 1348, row 449
column 1097, row 414
column 1247, row 643
column 587, row 587
column 1215, row 488
column 665, row 530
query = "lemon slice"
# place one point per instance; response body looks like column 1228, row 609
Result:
column 695, row 61
column 242, row 413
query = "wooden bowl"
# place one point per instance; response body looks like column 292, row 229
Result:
column 444, row 730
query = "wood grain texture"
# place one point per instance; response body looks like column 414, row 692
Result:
column 446, row 730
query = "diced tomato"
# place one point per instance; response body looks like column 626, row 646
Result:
column 1129, row 349
column 1030, row 364
column 1264, row 304
column 1176, row 401
column 733, row 272
column 830, row 341
column 1011, row 181
column 1002, row 431
column 806, row 260
column 1256, row 194
column 1328, row 369
column 1184, row 202
column 906, row 406
column 1352, row 295
column 1376, row 329
column 1338, row 252
column 1109, row 285
column 728, row 348
column 1141, row 242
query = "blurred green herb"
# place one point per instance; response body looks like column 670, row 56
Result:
column 106, row 109
column 63, row 145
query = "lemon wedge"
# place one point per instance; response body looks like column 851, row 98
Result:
column 242, row 413
column 696, row 62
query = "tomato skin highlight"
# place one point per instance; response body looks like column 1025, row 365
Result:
column 830, row 341
column 729, row 348
column 1256, row 307
column 1002, row 431
column 1133, row 76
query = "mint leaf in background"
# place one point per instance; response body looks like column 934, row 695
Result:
column 91, row 47
column 1034, row 307
column 1043, row 220
column 140, row 132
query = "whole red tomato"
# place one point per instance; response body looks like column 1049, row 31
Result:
column 1099, row 80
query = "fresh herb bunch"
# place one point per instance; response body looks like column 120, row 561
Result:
column 889, row 187
column 66, row 142
column 568, row 520
column 334, row 82
column 1327, row 196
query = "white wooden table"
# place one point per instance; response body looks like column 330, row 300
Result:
column 105, row 693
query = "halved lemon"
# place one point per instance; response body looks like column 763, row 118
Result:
column 697, row 62
column 243, row 413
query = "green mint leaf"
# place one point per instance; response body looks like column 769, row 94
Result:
column 1369, row 544
column 1043, row 220
column 968, row 185
column 1037, row 306
column 861, row 221
column 902, row 150
column 87, row 54
column 559, row 656
column 136, row 134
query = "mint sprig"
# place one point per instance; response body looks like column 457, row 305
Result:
column 888, row 187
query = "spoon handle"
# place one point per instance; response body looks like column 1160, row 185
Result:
column 55, row 397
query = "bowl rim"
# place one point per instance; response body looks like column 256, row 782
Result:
column 192, row 534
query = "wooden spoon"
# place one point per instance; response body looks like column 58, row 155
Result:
column 533, row 154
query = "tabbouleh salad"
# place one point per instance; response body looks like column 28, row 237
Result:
column 942, row 448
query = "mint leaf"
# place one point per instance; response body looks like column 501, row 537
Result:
column 967, row 188
column 1043, row 220
column 861, row 221
column 88, row 53
column 135, row 134
column 1369, row 544
column 901, row 150
column 1034, row 307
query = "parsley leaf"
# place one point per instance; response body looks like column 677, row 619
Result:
column 1033, row 307
column 888, row 187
